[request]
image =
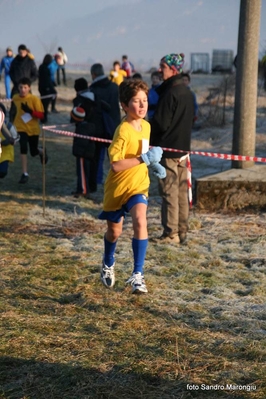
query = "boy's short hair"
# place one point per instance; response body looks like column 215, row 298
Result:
column 24, row 81
column 129, row 88
column 22, row 47
column 116, row 63
column 156, row 73
column 186, row 75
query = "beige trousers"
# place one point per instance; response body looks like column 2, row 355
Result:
column 174, row 192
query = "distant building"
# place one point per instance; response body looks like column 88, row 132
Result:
column 200, row 62
column 222, row 61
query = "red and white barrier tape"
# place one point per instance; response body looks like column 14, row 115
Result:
column 228, row 157
column 188, row 163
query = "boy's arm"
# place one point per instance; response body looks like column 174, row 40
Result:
column 124, row 164
column 35, row 114
column 149, row 158
column 8, row 138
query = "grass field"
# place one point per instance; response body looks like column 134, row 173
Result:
column 199, row 332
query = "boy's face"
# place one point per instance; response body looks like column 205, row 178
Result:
column 116, row 67
column 137, row 106
column 186, row 81
column 23, row 90
column 23, row 53
column 155, row 80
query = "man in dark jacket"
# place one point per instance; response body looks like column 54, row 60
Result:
column 22, row 67
column 171, row 128
column 105, row 91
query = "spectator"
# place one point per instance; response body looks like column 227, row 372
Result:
column 86, row 167
column 6, row 144
column 26, row 111
column 153, row 96
column 5, row 66
column 53, row 67
column 137, row 75
column 127, row 66
column 106, row 91
column 117, row 75
column 127, row 183
column 171, row 128
column 61, row 59
column 46, row 86
column 22, row 67
column 187, row 80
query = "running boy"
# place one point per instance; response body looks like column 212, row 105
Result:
column 26, row 111
column 126, row 186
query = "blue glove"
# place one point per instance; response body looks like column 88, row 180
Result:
column 158, row 170
column 152, row 156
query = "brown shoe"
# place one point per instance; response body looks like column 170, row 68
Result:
column 182, row 237
column 172, row 239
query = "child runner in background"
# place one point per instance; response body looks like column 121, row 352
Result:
column 6, row 144
column 127, row 184
column 26, row 111
column 117, row 75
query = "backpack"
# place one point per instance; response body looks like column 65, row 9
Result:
column 84, row 148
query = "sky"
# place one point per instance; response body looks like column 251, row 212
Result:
column 102, row 30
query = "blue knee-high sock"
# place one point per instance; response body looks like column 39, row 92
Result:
column 109, row 252
column 139, row 252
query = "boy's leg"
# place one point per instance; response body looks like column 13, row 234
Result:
column 24, row 163
column 111, row 236
column 64, row 75
column 139, row 247
column 58, row 76
column 140, row 239
column 23, row 143
column 3, row 169
column 35, row 150
column 79, row 179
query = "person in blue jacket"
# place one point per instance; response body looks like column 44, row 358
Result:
column 5, row 65
column 153, row 96
column 53, row 67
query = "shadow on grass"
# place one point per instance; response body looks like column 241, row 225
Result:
column 21, row 378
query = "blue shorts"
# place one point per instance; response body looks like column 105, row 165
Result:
column 115, row 216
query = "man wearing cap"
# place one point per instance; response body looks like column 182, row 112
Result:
column 22, row 67
column 171, row 128
column 5, row 65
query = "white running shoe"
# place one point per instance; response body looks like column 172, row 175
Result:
column 107, row 275
column 138, row 283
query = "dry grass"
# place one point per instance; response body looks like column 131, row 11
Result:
column 64, row 336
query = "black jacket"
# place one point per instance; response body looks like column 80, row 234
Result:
column 45, row 85
column 22, row 67
column 107, row 91
column 173, row 118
